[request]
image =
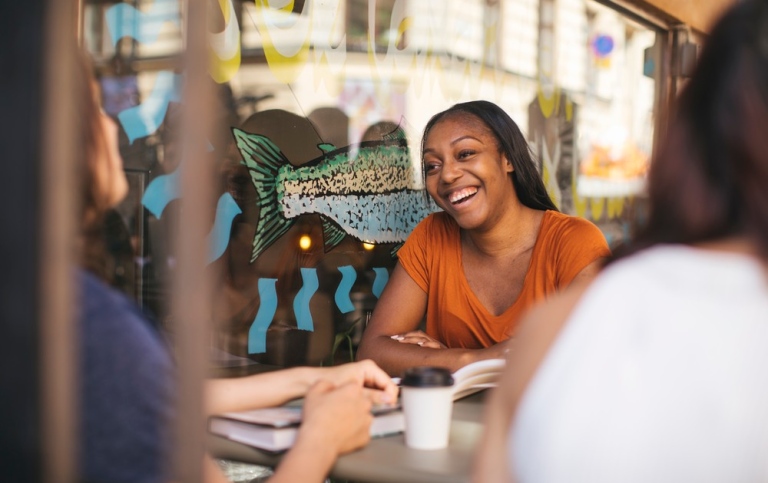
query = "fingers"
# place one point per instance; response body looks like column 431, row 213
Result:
column 375, row 378
column 323, row 394
column 379, row 398
column 431, row 344
column 411, row 334
column 365, row 373
column 339, row 416
column 419, row 338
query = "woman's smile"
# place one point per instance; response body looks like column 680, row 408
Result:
column 461, row 195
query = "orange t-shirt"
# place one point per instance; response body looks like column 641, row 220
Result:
column 455, row 316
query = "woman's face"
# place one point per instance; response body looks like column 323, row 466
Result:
column 466, row 174
column 110, row 175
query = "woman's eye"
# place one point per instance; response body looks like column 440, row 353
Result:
column 430, row 167
column 465, row 153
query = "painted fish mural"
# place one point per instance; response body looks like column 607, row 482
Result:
column 371, row 197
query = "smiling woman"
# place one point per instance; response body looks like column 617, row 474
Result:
column 498, row 247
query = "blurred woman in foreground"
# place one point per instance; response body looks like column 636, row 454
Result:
column 656, row 371
column 127, row 376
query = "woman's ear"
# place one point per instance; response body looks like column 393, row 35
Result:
column 508, row 167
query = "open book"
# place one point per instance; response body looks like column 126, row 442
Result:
column 476, row 376
column 274, row 429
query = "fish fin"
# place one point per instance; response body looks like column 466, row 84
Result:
column 396, row 134
column 326, row 147
column 394, row 250
column 332, row 234
column 264, row 159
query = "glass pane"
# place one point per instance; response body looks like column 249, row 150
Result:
column 318, row 129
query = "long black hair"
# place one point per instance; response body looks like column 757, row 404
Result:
column 511, row 143
column 709, row 179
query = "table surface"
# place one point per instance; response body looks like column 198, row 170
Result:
column 388, row 459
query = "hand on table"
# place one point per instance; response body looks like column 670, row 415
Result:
column 338, row 417
column 379, row 386
column 419, row 338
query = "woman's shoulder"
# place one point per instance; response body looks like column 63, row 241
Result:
column 431, row 236
column 439, row 218
column 105, row 310
column 436, row 224
column 571, row 241
column 97, row 295
column 561, row 227
column 560, row 221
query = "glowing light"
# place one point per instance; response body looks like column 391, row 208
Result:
column 305, row 242
column 368, row 246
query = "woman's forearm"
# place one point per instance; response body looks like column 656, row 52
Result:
column 259, row 390
column 278, row 387
column 394, row 357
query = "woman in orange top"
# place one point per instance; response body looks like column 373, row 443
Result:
column 498, row 246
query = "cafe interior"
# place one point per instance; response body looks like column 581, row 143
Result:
column 589, row 82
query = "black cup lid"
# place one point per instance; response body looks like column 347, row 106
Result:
column 427, row 376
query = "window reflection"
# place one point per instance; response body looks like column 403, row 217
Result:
column 573, row 73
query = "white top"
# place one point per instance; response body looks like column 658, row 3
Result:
column 660, row 375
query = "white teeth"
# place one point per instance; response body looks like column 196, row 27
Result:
column 461, row 194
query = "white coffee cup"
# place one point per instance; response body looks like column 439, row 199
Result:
column 426, row 394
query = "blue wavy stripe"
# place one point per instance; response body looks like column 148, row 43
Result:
column 218, row 238
column 301, row 302
column 123, row 20
column 164, row 189
column 144, row 119
column 382, row 277
column 257, row 334
column 348, row 277
column 161, row 191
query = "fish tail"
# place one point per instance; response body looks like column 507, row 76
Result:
column 264, row 159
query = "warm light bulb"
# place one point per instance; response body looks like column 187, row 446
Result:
column 368, row 246
column 305, row 242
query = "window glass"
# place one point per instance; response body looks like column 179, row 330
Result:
column 317, row 129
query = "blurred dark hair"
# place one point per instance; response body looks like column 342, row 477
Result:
column 709, row 179
column 511, row 142
column 94, row 202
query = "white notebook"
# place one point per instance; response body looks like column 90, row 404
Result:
column 275, row 429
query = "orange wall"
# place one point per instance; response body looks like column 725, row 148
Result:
column 699, row 14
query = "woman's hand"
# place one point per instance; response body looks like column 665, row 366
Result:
column 366, row 374
column 337, row 417
column 335, row 420
column 419, row 338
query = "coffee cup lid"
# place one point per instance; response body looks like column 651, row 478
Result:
column 427, row 376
